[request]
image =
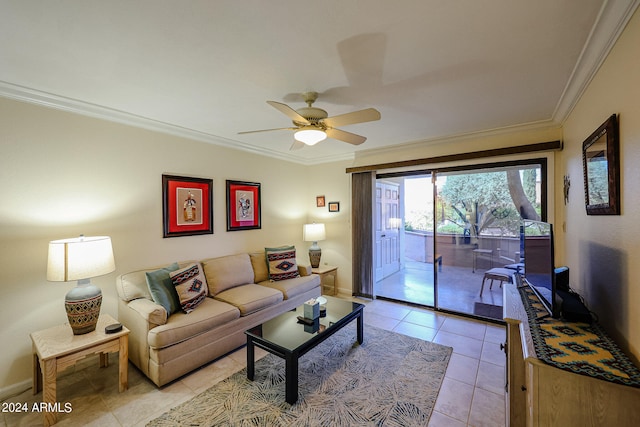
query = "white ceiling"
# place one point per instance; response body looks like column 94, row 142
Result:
column 204, row 69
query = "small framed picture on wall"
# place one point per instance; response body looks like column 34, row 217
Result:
column 334, row 206
column 320, row 201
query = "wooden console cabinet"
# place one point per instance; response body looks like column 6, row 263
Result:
column 539, row 394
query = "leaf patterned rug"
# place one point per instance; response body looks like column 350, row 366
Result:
column 389, row 380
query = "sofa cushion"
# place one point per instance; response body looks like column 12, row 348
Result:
column 259, row 264
column 181, row 326
column 162, row 290
column 282, row 262
column 227, row 272
column 190, row 285
column 250, row 298
column 293, row 287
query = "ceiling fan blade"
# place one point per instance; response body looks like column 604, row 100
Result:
column 366, row 115
column 264, row 130
column 289, row 112
column 349, row 137
column 297, row 145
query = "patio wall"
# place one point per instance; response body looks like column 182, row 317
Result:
column 456, row 250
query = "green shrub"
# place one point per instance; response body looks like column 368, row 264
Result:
column 450, row 228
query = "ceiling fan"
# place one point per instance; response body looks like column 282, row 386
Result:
column 313, row 125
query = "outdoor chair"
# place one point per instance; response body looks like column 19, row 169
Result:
column 498, row 273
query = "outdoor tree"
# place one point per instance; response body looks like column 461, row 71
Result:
column 520, row 196
column 490, row 200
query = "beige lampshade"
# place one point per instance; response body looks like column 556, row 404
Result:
column 313, row 232
column 79, row 258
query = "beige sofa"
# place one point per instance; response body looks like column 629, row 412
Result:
column 240, row 296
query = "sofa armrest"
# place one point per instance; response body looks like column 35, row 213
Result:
column 140, row 316
column 304, row 270
column 154, row 314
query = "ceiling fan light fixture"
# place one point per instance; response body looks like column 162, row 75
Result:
column 312, row 125
column 310, row 135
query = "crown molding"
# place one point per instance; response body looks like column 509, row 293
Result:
column 612, row 19
column 533, row 126
column 610, row 23
column 49, row 100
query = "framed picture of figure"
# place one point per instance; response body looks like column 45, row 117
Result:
column 187, row 207
column 243, row 205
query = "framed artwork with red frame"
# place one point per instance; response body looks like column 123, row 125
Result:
column 243, row 205
column 187, row 208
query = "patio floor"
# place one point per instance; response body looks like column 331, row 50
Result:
column 458, row 289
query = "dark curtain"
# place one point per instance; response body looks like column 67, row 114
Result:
column 362, row 194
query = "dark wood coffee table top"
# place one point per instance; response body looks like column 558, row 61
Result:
column 284, row 337
column 284, row 330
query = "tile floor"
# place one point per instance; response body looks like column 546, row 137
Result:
column 472, row 393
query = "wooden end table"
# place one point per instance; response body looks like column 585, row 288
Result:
column 327, row 272
column 55, row 349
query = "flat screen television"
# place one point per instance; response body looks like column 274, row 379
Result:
column 539, row 263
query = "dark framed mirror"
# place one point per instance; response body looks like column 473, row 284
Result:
column 601, row 164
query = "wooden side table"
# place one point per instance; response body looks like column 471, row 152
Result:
column 327, row 273
column 55, row 349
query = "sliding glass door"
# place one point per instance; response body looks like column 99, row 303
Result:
column 439, row 234
column 478, row 217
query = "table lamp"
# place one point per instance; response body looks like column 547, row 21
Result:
column 81, row 258
column 313, row 233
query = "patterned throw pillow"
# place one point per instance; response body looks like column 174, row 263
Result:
column 190, row 285
column 282, row 263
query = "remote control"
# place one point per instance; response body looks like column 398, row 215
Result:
column 305, row 320
column 112, row 329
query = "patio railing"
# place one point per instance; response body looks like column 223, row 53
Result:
column 457, row 250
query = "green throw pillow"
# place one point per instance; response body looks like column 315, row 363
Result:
column 162, row 290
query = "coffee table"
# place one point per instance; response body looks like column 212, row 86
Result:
column 288, row 339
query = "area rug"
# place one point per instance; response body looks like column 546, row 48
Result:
column 389, row 380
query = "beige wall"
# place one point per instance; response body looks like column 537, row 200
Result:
column 603, row 251
column 462, row 144
column 63, row 174
column 334, row 183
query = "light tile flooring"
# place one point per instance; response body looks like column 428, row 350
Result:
column 472, row 393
